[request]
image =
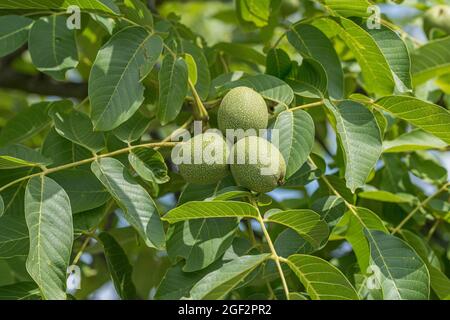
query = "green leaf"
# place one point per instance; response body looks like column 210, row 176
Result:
column 386, row 196
column 308, row 224
column 396, row 54
column 25, row 124
column 308, row 172
column 86, row 221
column 137, row 12
column 360, row 138
column 2, row 206
column 13, row 33
column 115, row 91
column 102, row 5
column 119, row 267
column 431, row 60
column 62, row 151
column 269, row 87
column 49, row 217
column 17, row 156
column 278, row 63
column 83, row 188
column 173, row 88
column 52, row 46
column 132, row 129
column 14, row 241
column 374, row 67
column 311, row 80
column 424, row 115
column 176, row 284
column 210, row 209
column 20, row 291
column 296, row 138
column 138, row 207
column 76, row 126
column 217, row 284
column 423, row 249
column 330, row 209
column 413, row 140
column 149, row 165
column 363, row 220
column 311, row 43
column 254, row 11
column 200, row 242
column 241, row 52
column 347, row 8
column 192, row 68
column 402, row 273
column 426, row 167
column 322, row 280
column 203, row 76
column 440, row 283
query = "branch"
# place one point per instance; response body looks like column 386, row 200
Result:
column 41, row 84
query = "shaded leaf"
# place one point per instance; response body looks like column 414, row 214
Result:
column 83, row 188
column 132, row 129
column 76, row 126
column 119, row 267
column 20, row 291
column 62, row 151
column 200, row 242
column 173, row 88
column 310, row 42
column 25, row 124
column 278, row 63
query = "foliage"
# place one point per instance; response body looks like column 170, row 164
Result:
column 87, row 178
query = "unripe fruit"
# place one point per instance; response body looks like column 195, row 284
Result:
column 257, row 164
column 242, row 108
column 204, row 158
column 437, row 17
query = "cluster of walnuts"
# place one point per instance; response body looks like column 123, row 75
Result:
column 254, row 162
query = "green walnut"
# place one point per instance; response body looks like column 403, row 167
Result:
column 242, row 108
column 257, row 164
column 437, row 17
column 203, row 158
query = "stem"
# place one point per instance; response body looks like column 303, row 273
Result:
column 420, row 205
column 279, row 40
column 84, row 161
column 433, row 229
column 274, row 256
column 200, row 111
column 251, row 235
column 82, row 248
column 309, row 105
